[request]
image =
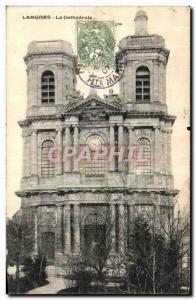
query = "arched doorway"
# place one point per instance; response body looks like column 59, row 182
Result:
column 93, row 232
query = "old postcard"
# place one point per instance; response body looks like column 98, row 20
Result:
column 98, row 150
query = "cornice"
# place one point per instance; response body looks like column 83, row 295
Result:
column 143, row 49
column 29, row 120
column 62, row 54
column 133, row 114
column 160, row 115
column 24, row 123
column 101, row 190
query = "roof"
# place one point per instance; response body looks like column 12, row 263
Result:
column 140, row 13
column 50, row 46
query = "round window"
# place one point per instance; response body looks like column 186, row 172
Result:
column 94, row 143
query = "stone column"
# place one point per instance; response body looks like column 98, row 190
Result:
column 120, row 144
column 76, row 228
column 121, row 228
column 59, row 152
column 28, row 149
column 162, row 162
column 67, row 161
column 76, row 143
column 130, row 94
column 26, row 158
column 165, row 152
column 34, row 153
column 113, row 227
column 130, row 220
column 59, row 229
column 67, row 228
column 35, row 227
column 130, row 212
column 155, row 91
column 169, row 152
column 164, row 83
column 161, row 82
column 112, row 144
column 132, row 155
column 157, row 150
column 59, row 78
column 33, row 85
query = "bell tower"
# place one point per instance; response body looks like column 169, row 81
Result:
column 51, row 78
column 143, row 85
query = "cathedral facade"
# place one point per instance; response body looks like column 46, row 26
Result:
column 63, row 197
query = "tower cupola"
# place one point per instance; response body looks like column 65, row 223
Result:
column 141, row 22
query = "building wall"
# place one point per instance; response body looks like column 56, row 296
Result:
column 59, row 204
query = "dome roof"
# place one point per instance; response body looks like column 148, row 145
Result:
column 51, row 46
column 139, row 14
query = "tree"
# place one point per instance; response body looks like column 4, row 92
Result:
column 34, row 269
column 19, row 242
column 91, row 263
column 150, row 263
column 147, row 259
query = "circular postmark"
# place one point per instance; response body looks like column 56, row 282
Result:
column 96, row 57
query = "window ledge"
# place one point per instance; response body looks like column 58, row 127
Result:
column 94, row 175
column 143, row 102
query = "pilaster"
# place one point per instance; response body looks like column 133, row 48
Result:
column 120, row 144
column 76, row 228
column 67, row 144
column 59, row 230
column 112, row 144
column 76, row 144
column 35, row 232
column 34, row 153
column 59, row 165
column 113, row 227
column 132, row 150
column 121, row 228
column 67, row 228
column 26, row 153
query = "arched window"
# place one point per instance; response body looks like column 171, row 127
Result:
column 47, row 87
column 47, row 161
column 142, row 84
column 143, row 158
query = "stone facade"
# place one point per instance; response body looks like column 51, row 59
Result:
column 59, row 206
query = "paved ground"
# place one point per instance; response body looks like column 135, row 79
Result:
column 55, row 284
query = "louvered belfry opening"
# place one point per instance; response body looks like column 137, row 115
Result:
column 48, row 87
column 142, row 84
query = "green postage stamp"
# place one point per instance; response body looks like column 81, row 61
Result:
column 97, row 66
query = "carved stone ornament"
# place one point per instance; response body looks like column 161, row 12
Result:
column 95, row 104
column 47, row 216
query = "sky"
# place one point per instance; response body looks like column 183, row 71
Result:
column 172, row 23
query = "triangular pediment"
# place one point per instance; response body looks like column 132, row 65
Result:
column 94, row 103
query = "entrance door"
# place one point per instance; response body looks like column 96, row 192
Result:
column 48, row 246
column 94, row 235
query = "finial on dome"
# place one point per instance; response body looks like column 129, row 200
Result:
column 141, row 21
